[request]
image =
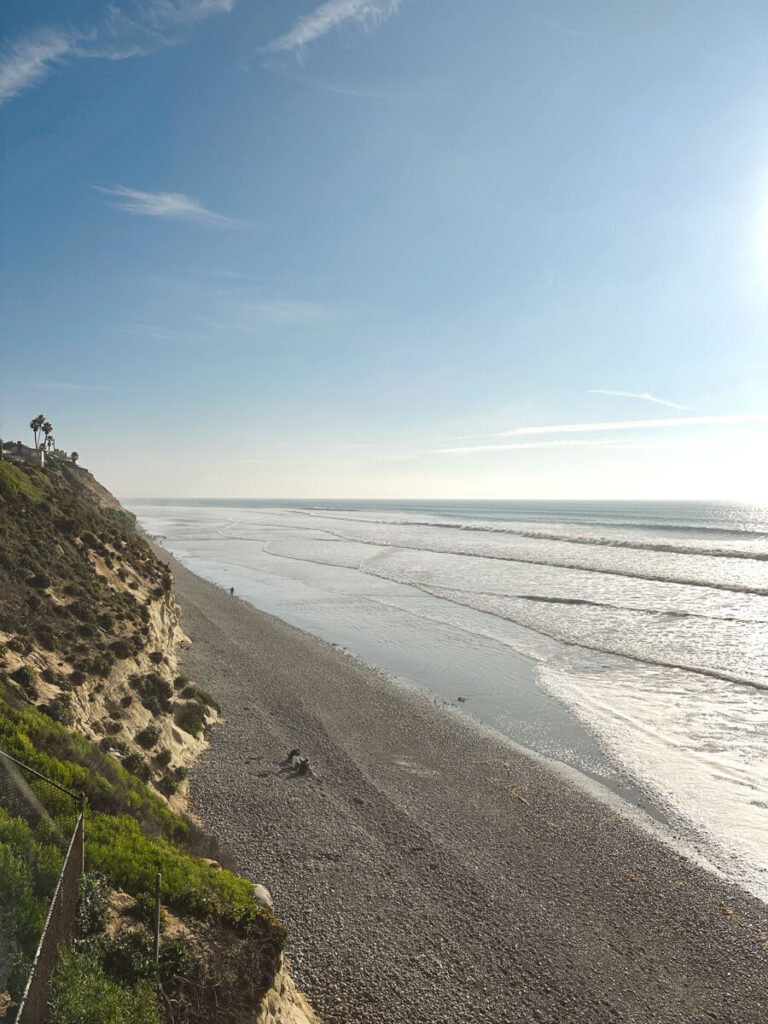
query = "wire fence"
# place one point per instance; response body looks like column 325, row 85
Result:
column 59, row 927
column 16, row 796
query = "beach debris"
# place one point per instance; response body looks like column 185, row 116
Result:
column 737, row 919
column 297, row 763
column 462, row 700
column 513, row 790
column 633, row 878
column 262, row 895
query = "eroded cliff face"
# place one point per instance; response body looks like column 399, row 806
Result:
column 90, row 634
column 90, row 628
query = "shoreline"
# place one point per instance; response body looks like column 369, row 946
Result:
column 432, row 872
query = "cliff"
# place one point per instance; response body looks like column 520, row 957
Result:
column 89, row 624
column 91, row 696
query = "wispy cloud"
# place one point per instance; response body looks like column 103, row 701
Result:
column 474, row 449
column 151, row 26
column 65, row 385
column 173, row 205
column 677, row 421
column 329, row 16
column 634, row 394
column 153, row 332
column 246, row 316
column 567, row 428
column 27, row 61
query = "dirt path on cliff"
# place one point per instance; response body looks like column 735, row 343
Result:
column 431, row 874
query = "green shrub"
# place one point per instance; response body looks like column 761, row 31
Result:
column 181, row 772
column 29, row 869
column 47, row 636
column 148, row 737
column 83, row 994
column 156, row 657
column 136, row 765
column 144, row 911
column 113, row 709
column 60, row 709
column 168, row 785
column 130, row 958
column 111, row 728
column 92, row 903
column 101, row 665
column 180, row 681
column 26, row 677
column 122, row 649
column 40, row 580
column 176, row 960
column 190, row 717
column 154, row 687
column 193, row 692
column 163, row 757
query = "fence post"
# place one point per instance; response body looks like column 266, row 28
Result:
column 81, row 808
column 158, row 877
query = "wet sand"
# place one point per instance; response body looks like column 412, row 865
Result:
column 429, row 872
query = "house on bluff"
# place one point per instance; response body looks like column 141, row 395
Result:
column 15, row 451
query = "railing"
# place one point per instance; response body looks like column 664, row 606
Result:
column 60, row 923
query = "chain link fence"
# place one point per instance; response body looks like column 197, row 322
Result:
column 17, row 798
column 59, row 927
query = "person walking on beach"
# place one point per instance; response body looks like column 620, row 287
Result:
column 231, row 591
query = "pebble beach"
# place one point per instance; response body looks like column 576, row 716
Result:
column 431, row 873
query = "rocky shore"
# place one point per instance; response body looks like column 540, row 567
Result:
column 431, row 874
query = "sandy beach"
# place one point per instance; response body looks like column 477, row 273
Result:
column 430, row 873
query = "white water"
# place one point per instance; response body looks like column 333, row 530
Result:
column 648, row 622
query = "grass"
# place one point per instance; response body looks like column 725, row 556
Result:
column 83, row 994
column 21, row 483
column 29, row 867
column 131, row 833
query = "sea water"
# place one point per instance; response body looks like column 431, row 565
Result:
column 626, row 639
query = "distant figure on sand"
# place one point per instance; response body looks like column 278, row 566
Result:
column 231, row 591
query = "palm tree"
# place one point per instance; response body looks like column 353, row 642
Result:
column 36, row 424
column 47, row 429
column 75, row 456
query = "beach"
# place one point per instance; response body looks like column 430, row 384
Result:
column 430, row 872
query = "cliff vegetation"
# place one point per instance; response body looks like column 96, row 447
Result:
column 91, row 697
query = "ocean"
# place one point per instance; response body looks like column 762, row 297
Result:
column 628, row 640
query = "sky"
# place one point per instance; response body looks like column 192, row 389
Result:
column 389, row 248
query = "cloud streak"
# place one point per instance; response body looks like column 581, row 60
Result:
column 568, row 428
column 329, row 16
column 27, row 61
column 676, row 421
column 634, row 394
column 65, row 385
column 171, row 205
column 154, row 25
column 474, row 449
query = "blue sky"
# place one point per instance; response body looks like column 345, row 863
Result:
column 389, row 249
